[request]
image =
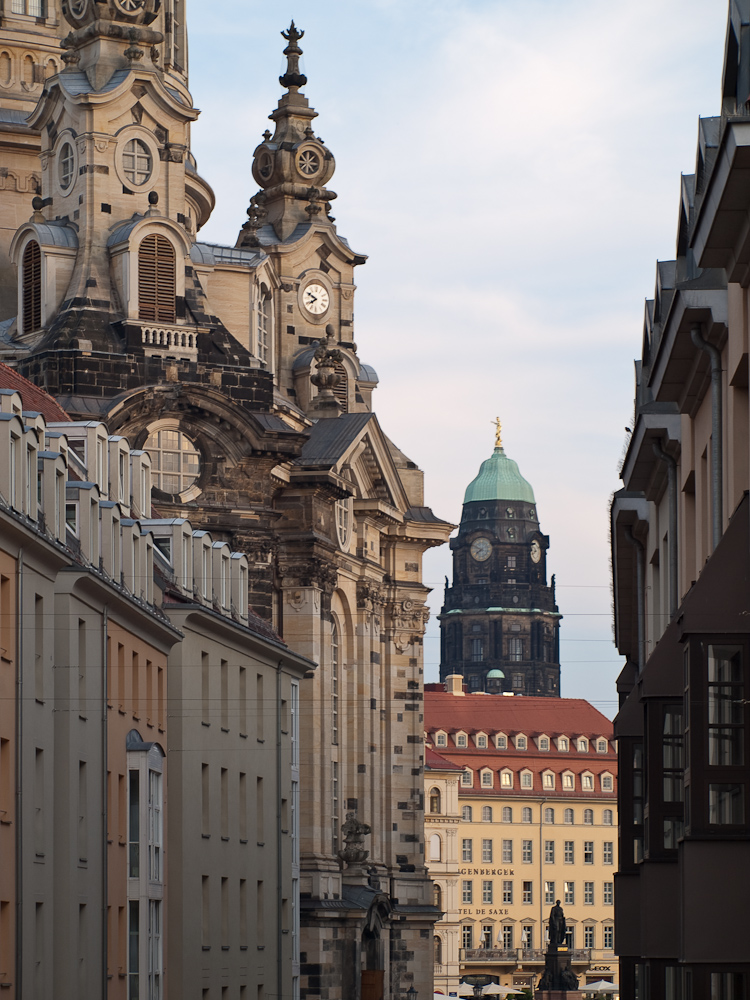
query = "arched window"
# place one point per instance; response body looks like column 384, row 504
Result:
column 588, row 817
column 31, row 266
column 438, row 950
column 607, row 817
column 334, row 683
column 549, row 815
column 466, row 814
column 435, row 847
column 437, row 896
column 486, row 814
column 568, row 818
column 156, row 279
column 507, row 814
column 434, row 800
column 264, row 325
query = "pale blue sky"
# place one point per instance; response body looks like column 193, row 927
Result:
column 511, row 167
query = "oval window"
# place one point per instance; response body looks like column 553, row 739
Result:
column 66, row 165
column 137, row 162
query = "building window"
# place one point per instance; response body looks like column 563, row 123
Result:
column 65, row 166
column 466, row 814
column 569, row 893
column 568, row 781
column 507, row 891
column 507, row 814
column 477, row 650
column 467, row 779
column 156, row 279
column 461, row 739
column 521, row 743
column 467, row 891
column 175, row 461
column 588, row 893
column 607, row 817
column 549, row 815
column 549, row 852
column 515, row 649
column 486, row 779
column 501, row 742
column 466, row 850
column 588, row 817
column 487, row 891
column 486, row 814
column 511, row 562
column 438, row 950
column 527, row 852
column 508, row 936
column 726, row 805
column 568, row 816
column 466, row 936
column 482, row 742
column 528, row 892
column 588, row 936
column 527, row 937
column 587, row 782
column 725, row 707
column 506, row 779
column 437, row 896
column 569, row 853
column 609, row 937
column 601, row 746
column 486, row 851
column 526, row 814
column 335, row 658
column 34, row 8
column 264, row 324
column 608, row 852
column 548, row 780
column 609, row 893
column 583, row 745
column 435, row 847
column 134, row 823
column 137, row 162
column 441, row 740
column 434, row 800
column 527, row 779
column 544, row 743
column 517, row 682
column 563, row 744
column 507, row 852
column 588, row 852
column 31, row 284
column 154, row 826
column 549, row 892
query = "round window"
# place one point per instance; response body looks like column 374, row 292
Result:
column 308, row 162
column 175, row 461
column 137, row 162
column 66, row 165
column 265, row 165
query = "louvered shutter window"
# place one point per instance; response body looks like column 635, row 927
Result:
column 341, row 389
column 156, row 280
column 32, row 287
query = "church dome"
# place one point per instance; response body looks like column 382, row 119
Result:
column 499, row 479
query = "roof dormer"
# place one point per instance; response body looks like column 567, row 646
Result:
column 480, row 740
column 461, row 738
column 521, row 741
column 543, row 742
column 563, row 744
column 440, row 738
column 582, row 744
column 602, row 744
column 501, row 741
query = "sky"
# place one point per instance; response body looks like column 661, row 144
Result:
column 511, row 168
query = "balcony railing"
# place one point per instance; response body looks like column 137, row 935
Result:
column 516, row 955
column 175, row 341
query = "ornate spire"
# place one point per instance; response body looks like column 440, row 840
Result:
column 292, row 79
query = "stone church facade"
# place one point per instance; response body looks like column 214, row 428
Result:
column 235, row 368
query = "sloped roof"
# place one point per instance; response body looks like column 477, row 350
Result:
column 433, row 760
column 499, row 479
column 329, row 439
column 34, row 399
column 482, row 713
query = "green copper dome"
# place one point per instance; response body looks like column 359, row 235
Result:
column 499, row 479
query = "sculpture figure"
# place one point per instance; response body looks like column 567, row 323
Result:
column 557, row 925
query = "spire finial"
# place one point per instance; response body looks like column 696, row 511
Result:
column 498, row 432
column 292, row 79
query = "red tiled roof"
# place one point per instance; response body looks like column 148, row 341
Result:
column 434, row 760
column 476, row 713
column 33, row 398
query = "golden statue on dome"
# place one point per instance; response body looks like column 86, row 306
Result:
column 498, row 432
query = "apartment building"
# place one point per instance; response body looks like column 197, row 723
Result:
column 536, row 821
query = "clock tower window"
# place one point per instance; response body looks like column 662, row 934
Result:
column 32, row 287
column 264, row 325
column 34, row 8
column 477, row 650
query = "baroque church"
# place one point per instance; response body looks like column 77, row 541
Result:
column 500, row 625
column 236, row 369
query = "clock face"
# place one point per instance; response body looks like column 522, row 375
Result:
column 535, row 551
column 315, row 299
column 481, row 550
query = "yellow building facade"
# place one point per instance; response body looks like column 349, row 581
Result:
column 534, row 821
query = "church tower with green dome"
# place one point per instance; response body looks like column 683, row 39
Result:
column 499, row 626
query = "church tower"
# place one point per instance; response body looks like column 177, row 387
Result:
column 499, row 625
